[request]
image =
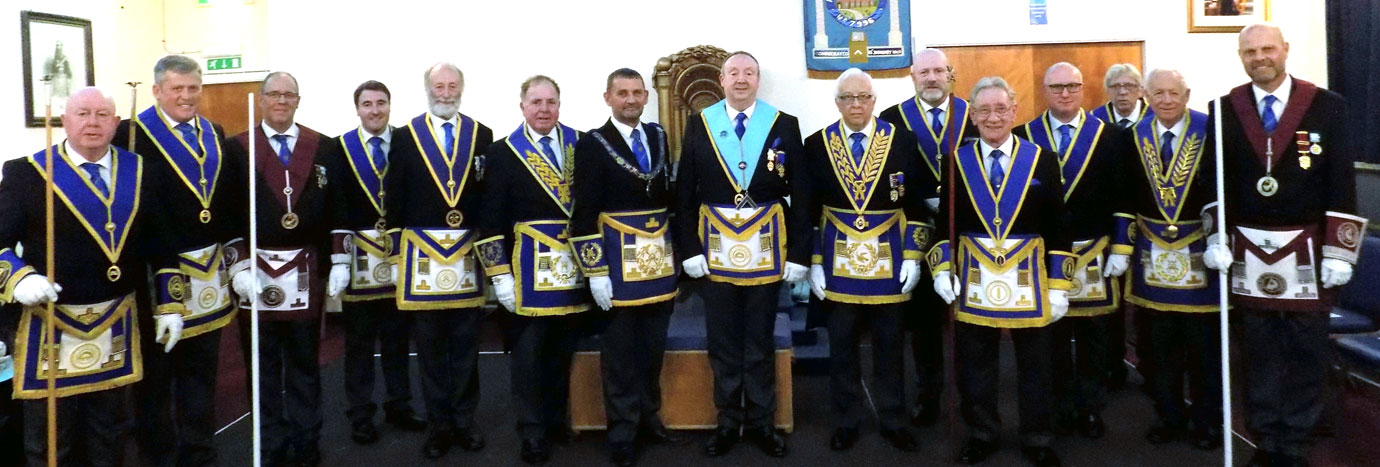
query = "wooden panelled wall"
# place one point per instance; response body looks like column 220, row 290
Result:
column 1023, row 66
column 227, row 105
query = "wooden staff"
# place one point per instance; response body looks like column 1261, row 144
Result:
column 133, row 110
column 50, row 266
column 1222, row 290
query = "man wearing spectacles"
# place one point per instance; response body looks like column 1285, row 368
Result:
column 1003, row 257
column 300, row 214
column 938, row 121
column 861, row 184
column 1126, row 104
column 1087, row 151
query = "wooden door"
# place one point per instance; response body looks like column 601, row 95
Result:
column 1023, row 66
column 226, row 104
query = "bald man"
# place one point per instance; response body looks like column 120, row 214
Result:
column 1294, row 234
column 100, row 254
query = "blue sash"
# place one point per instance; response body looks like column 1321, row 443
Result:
column 933, row 147
column 555, row 181
column 1170, row 187
column 858, row 179
column 197, row 167
column 444, row 169
column 107, row 220
column 370, row 178
column 1107, row 112
column 720, row 127
column 1074, row 159
column 998, row 211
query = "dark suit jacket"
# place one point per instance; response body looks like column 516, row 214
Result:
column 1090, row 201
column 603, row 185
column 1042, row 214
column 413, row 200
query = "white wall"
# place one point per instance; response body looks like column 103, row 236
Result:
column 333, row 46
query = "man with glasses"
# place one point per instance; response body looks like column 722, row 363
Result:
column 432, row 195
column 938, row 121
column 1088, row 153
column 860, row 184
column 1126, row 101
column 300, row 215
column 1004, row 256
column 734, row 170
column 207, row 221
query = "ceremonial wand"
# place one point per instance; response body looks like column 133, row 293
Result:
column 50, row 266
column 953, row 264
column 1222, row 291
column 254, row 297
column 133, row 107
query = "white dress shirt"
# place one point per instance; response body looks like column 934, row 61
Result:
column 387, row 136
column 866, row 131
column 1007, row 147
column 1281, row 95
column 626, row 131
column 76, row 159
column 1055, row 123
column 438, row 130
column 1133, row 117
column 733, row 113
column 943, row 112
column 556, row 143
column 291, row 133
column 1177, row 129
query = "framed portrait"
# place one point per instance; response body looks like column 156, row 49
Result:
column 57, row 61
column 1226, row 15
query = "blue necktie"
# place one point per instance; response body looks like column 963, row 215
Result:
column 283, row 153
column 995, row 173
column 1167, row 147
column 550, row 154
column 1065, row 137
column 640, row 151
column 1124, row 123
column 740, row 128
column 376, row 148
column 935, row 123
column 188, row 135
column 94, row 170
column 450, row 138
column 857, row 147
column 1268, row 116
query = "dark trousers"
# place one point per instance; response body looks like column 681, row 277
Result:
column 888, row 363
column 1116, row 347
column 1288, row 359
column 634, row 346
column 1080, row 363
column 542, row 348
column 925, row 315
column 739, row 322
column 448, row 352
column 175, row 403
column 367, row 323
column 1186, row 346
column 976, row 351
column 289, row 386
column 86, row 431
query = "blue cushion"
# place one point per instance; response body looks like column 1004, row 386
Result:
column 1344, row 321
column 1358, row 295
column 1363, row 348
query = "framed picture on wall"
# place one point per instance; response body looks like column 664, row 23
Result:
column 57, row 62
column 1226, row 15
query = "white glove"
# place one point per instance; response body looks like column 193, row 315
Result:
column 933, row 203
column 339, row 278
column 794, row 272
column 4, row 351
column 245, row 285
column 602, row 289
column 946, row 286
column 1217, row 256
column 396, row 278
column 817, row 280
column 168, row 329
column 1335, row 272
column 34, row 289
column 1116, row 265
column 910, row 275
column 503, row 290
column 696, row 267
column 1058, row 304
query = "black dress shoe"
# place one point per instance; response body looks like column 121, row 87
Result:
column 843, row 439
column 405, row 420
column 900, row 438
column 975, row 451
column 364, row 432
column 623, row 454
column 925, row 413
column 1091, row 426
column 469, row 440
column 535, row 451
column 768, row 440
column 660, row 435
column 309, row 458
column 1206, row 439
column 1063, row 423
column 1161, row 434
column 1263, row 458
column 721, row 441
column 561, row 434
column 1041, row 457
column 437, row 445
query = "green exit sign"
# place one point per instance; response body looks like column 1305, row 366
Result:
column 224, row 63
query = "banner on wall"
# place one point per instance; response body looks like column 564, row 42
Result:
column 867, row 34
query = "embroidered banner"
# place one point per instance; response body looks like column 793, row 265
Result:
column 867, row 34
